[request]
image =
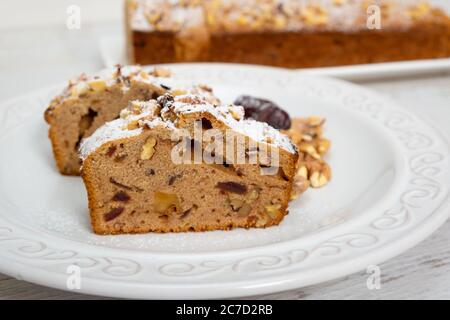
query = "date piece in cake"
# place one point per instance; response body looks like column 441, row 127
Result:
column 90, row 101
column 285, row 33
column 142, row 173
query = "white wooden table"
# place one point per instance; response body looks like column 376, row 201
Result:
column 45, row 54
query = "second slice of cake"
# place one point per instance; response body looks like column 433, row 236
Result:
column 182, row 164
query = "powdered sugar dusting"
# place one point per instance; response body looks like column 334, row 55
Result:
column 108, row 132
column 276, row 15
column 160, row 79
column 146, row 113
column 171, row 15
column 233, row 117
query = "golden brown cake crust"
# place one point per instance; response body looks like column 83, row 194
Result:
column 293, row 34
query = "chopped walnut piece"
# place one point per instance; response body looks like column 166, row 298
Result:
column 309, row 149
column 164, row 201
column 320, row 173
column 314, row 121
column 318, row 179
column 419, row 11
column 161, row 72
column 148, row 149
column 177, row 92
column 280, row 22
column 135, row 107
column 143, row 74
column 253, row 195
column 300, row 185
column 133, row 125
column 306, row 134
column 236, row 204
column 261, row 222
column 314, row 15
column 153, row 17
column 302, row 172
column 79, row 89
column 323, row 145
column 242, row 20
column 244, row 210
column 97, row 85
column 235, row 114
column 339, row 2
column 273, row 210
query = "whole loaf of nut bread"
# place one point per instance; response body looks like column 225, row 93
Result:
column 286, row 33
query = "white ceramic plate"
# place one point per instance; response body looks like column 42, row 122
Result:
column 389, row 191
column 112, row 50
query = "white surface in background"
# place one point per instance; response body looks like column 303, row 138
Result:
column 43, row 13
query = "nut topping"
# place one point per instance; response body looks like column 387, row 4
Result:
column 419, row 11
column 300, row 185
column 318, row 179
column 133, row 125
column 303, row 172
column 314, row 15
column 339, row 2
column 323, row 146
column 79, row 89
column 161, row 72
column 306, row 133
column 177, row 92
column 97, row 85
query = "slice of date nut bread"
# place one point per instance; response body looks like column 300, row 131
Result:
column 90, row 101
column 161, row 167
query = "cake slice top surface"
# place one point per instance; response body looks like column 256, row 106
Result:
column 167, row 111
column 121, row 75
column 159, row 78
column 265, row 15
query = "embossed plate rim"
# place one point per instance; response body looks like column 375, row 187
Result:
column 111, row 272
